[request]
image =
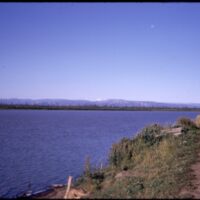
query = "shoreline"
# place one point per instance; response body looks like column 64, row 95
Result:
column 57, row 191
column 43, row 192
column 96, row 108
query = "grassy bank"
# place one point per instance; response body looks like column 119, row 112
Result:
column 154, row 164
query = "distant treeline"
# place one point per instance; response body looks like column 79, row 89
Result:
column 94, row 107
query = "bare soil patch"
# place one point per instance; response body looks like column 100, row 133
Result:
column 192, row 190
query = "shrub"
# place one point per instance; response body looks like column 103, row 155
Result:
column 149, row 134
column 121, row 152
column 124, row 153
column 197, row 121
column 185, row 123
column 97, row 178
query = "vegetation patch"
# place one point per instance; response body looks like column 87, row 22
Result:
column 151, row 165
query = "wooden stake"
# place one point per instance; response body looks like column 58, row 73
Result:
column 68, row 187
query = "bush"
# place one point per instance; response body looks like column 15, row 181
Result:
column 150, row 134
column 123, row 154
column 97, row 178
column 186, row 123
column 197, row 121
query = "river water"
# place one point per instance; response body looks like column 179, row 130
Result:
column 44, row 147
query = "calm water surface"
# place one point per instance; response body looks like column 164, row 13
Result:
column 44, row 147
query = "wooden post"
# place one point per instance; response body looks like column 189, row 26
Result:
column 68, row 187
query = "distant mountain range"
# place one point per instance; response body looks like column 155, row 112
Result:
column 101, row 103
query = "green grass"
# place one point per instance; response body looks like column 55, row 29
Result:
column 148, row 166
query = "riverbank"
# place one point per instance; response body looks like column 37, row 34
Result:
column 60, row 193
column 155, row 164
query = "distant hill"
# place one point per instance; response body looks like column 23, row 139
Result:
column 108, row 102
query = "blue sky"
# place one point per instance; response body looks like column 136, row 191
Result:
column 133, row 51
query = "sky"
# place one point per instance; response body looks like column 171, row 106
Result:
column 133, row 51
